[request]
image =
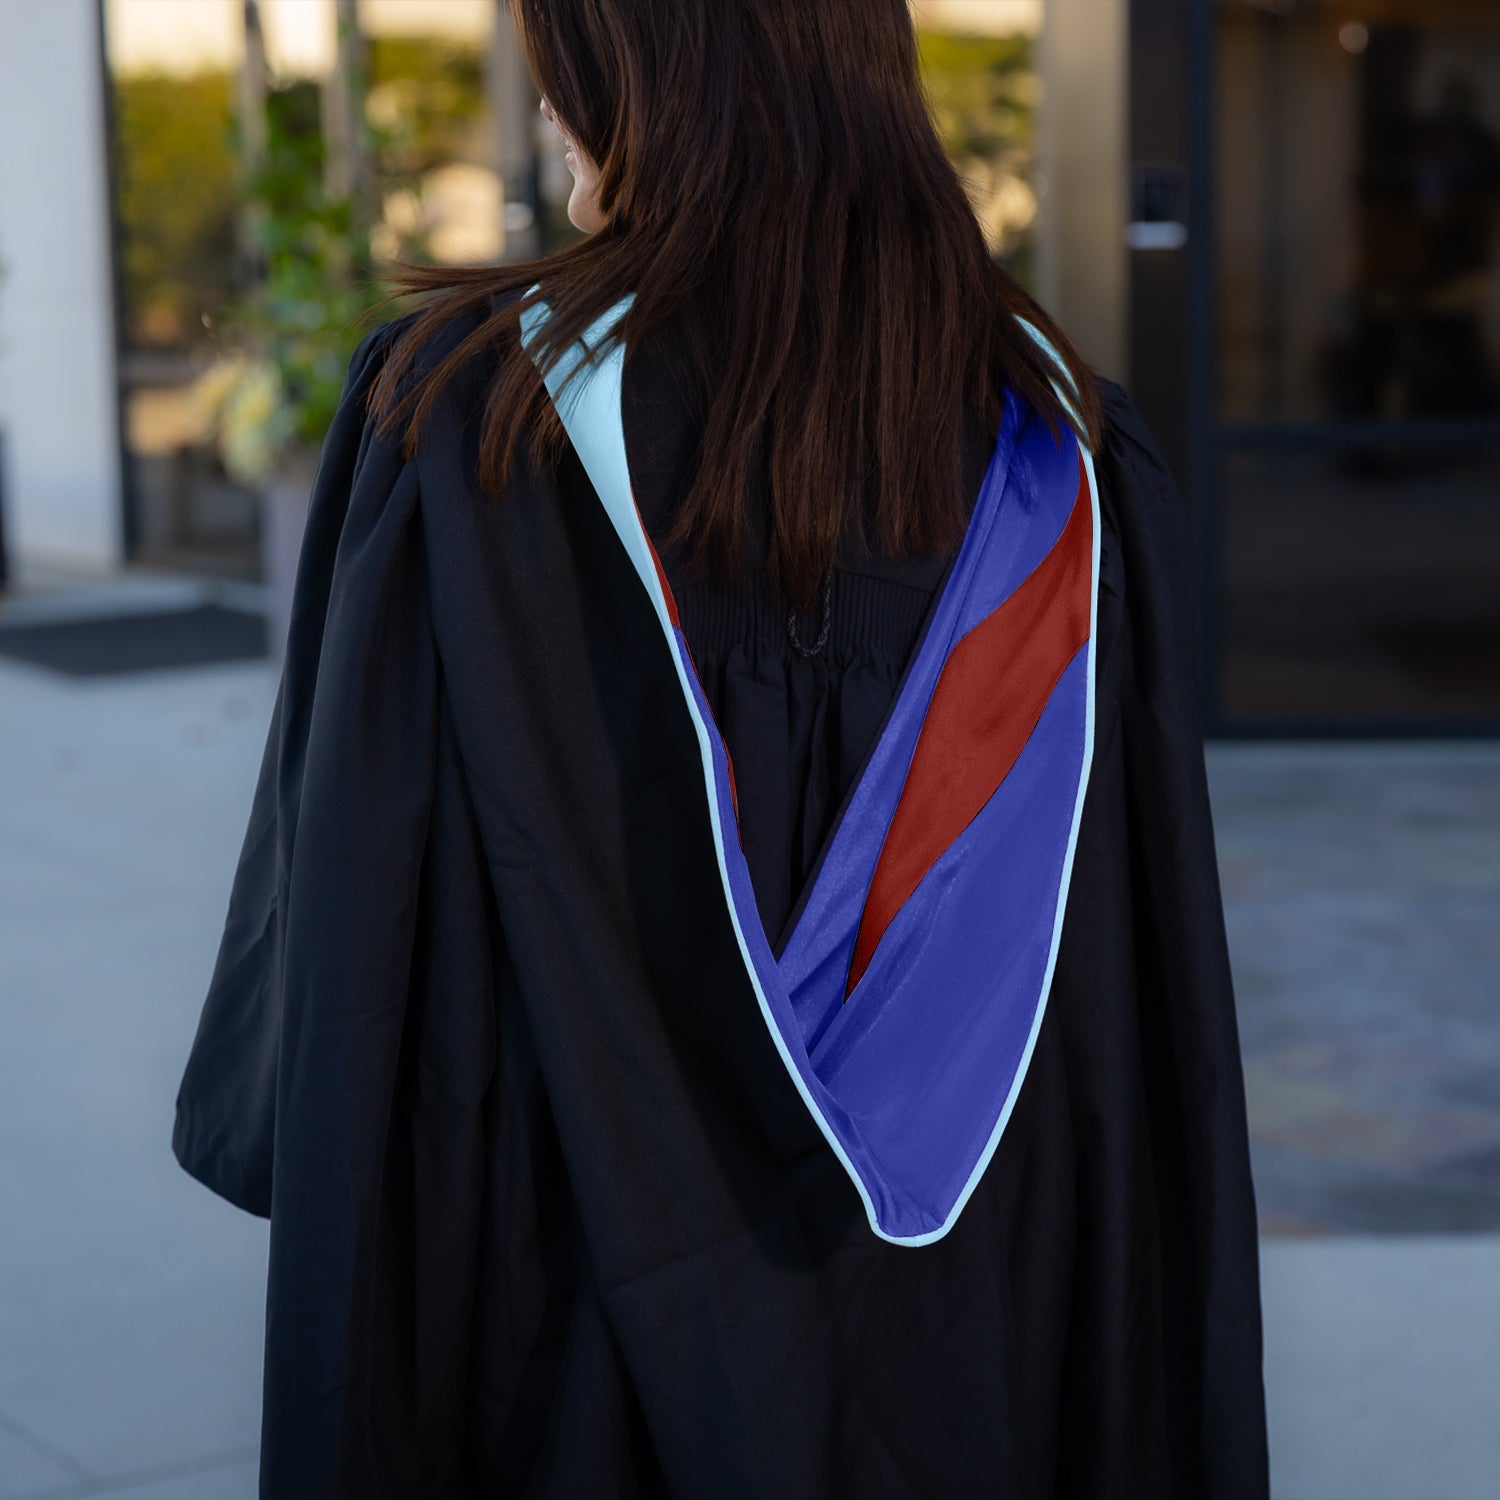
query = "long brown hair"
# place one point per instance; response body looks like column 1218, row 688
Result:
column 772, row 186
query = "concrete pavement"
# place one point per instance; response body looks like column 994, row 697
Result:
column 131, row 1298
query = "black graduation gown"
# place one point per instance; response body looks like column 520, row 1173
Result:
column 548, row 1216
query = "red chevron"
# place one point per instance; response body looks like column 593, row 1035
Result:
column 989, row 695
column 671, row 600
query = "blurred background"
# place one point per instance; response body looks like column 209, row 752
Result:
column 1276, row 222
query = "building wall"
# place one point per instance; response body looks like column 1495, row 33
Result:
column 1082, row 262
column 58, row 403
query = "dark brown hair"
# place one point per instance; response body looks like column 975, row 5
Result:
column 774, row 188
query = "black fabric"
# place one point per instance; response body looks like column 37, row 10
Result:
column 548, row 1215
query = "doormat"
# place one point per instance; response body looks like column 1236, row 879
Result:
column 112, row 645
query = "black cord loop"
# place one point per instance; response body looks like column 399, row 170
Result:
column 791, row 620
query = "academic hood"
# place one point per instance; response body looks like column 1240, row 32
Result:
column 905, row 1004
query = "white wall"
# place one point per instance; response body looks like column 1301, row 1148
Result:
column 62, row 482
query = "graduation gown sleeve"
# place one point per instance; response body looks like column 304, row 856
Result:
column 225, row 1123
column 1184, row 1140
column 1187, row 1038
column 347, row 1038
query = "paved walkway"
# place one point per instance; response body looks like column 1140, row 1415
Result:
column 1362, row 892
column 131, row 1299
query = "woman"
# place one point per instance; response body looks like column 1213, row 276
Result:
column 725, row 991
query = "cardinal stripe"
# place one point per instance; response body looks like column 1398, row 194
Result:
column 661, row 576
column 988, row 697
column 670, row 600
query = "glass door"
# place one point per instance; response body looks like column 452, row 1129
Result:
column 1355, row 449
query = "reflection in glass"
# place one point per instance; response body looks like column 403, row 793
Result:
column 1360, row 588
column 979, row 70
column 1359, row 210
column 1358, row 439
column 177, row 90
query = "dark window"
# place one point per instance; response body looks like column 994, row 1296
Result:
column 1357, row 256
